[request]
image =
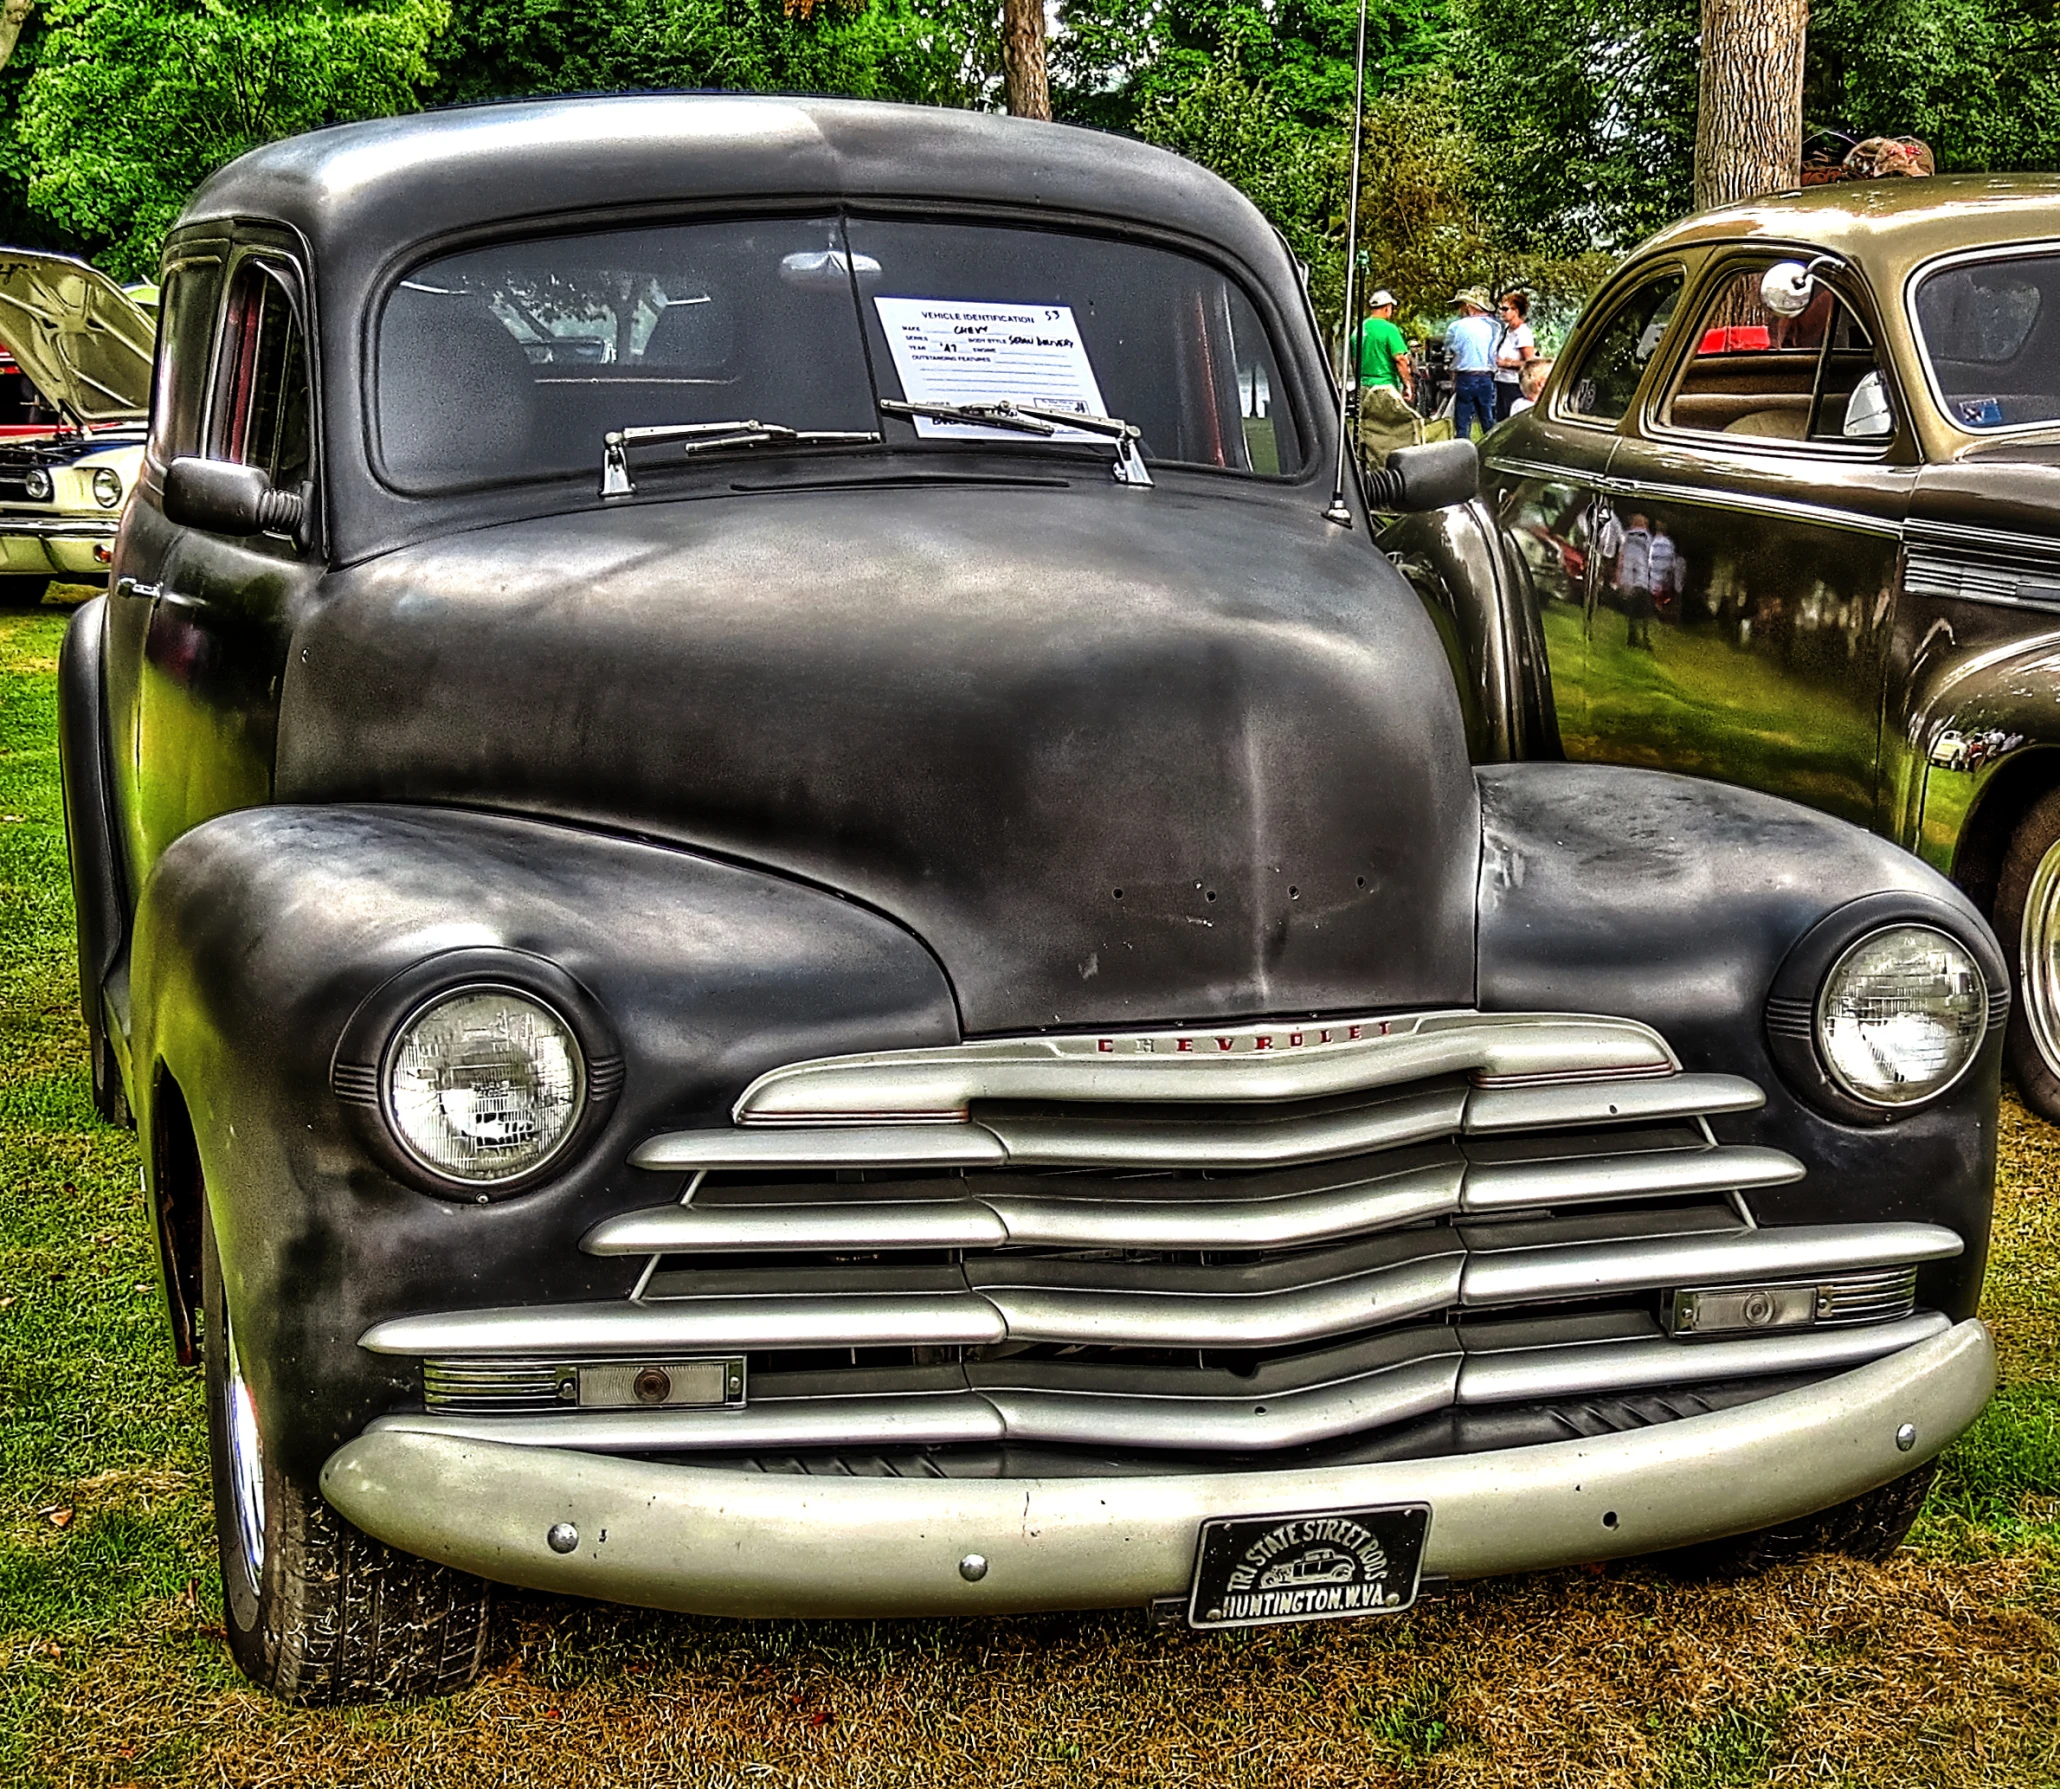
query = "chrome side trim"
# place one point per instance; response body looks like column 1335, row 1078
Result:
column 717, row 1542
column 1287, row 1061
column 1789, row 1252
column 1518, row 1375
column 912, row 1419
column 1492, row 1110
column 1505, row 1186
column 856, row 1224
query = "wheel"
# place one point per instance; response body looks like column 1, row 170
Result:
column 2027, row 922
column 316, row 1611
column 1870, row 1526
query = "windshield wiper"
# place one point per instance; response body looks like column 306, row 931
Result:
column 1035, row 419
column 706, row 437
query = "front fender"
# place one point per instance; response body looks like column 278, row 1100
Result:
column 1675, row 901
column 259, row 934
column 1475, row 583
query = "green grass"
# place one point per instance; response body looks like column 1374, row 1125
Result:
column 1943, row 1668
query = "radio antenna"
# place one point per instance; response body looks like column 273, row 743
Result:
column 1340, row 512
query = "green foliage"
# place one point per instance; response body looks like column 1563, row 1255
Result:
column 1978, row 80
column 135, row 101
column 929, row 51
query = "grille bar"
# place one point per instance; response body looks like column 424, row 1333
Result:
column 1434, row 1379
column 1108, row 1220
column 1335, row 1305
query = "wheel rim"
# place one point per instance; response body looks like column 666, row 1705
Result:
column 2038, row 958
column 246, row 1462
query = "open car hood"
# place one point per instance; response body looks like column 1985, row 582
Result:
column 85, row 343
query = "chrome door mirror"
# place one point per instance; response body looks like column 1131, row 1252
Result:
column 1788, row 286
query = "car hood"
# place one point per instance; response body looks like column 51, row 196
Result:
column 85, row 343
column 1114, row 755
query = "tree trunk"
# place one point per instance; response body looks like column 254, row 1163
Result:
column 1022, row 59
column 13, row 16
column 1748, row 115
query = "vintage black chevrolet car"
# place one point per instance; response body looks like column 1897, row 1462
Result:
column 770, row 966
column 1788, row 514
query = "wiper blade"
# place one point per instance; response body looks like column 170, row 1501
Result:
column 1035, row 419
column 707, row 437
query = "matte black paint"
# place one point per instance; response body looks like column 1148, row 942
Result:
column 824, row 753
column 260, row 934
column 983, row 712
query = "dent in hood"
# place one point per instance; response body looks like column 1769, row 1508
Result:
column 1113, row 760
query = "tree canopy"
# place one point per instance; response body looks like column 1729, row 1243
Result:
column 1506, row 139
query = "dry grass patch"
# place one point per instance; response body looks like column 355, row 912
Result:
column 1834, row 1672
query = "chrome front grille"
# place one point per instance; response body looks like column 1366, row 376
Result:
column 1117, row 1244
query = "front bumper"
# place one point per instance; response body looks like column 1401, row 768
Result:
column 724, row 1542
column 57, row 544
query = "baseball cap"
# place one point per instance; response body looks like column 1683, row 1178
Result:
column 1383, row 296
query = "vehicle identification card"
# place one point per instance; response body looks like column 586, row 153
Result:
column 1255, row 1571
column 958, row 351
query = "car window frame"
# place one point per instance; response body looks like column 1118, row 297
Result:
column 283, row 263
column 1848, row 286
column 184, row 258
column 1961, row 257
column 1574, row 354
column 1309, row 407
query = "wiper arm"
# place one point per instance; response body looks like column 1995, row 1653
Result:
column 706, row 437
column 1035, row 419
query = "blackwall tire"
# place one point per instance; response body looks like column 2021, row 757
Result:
column 317, row 1612
column 1870, row 1526
column 2027, row 922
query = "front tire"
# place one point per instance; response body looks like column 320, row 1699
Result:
column 317, row 1612
column 2027, row 922
column 1870, row 1526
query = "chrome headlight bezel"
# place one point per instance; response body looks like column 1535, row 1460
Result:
column 1794, row 1004
column 37, row 485
column 360, row 1071
column 106, row 485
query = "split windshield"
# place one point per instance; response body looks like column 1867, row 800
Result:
column 1991, row 330
column 514, row 361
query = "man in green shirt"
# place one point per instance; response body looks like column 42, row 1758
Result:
column 1387, row 384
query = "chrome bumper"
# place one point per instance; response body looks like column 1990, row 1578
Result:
column 60, row 527
column 721, row 1542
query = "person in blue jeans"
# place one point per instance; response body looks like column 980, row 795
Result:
column 1471, row 344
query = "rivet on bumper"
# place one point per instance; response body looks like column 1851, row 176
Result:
column 973, row 1567
column 562, row 1538
column 1906, row 1437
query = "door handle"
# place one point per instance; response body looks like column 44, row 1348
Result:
column 148, row 593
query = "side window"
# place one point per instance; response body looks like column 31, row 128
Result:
column 191, row 292
column 1756, row 374
column 1607, row 378
column 262, row 413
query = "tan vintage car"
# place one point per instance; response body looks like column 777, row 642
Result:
column 1788, row 514
column 74, row 396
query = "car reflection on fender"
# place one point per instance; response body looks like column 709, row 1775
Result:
column 1788, row 514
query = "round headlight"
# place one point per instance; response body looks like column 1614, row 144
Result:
column 1901, row 1015
column 107, row 486
column 484, row 1085
column 36, row 485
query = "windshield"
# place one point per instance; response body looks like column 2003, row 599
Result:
column 513, row 362
column 1991, row 331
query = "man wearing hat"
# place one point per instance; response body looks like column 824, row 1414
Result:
column 1387, row 384
column 1471, row 344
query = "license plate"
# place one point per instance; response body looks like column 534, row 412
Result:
column 1254, row 1571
